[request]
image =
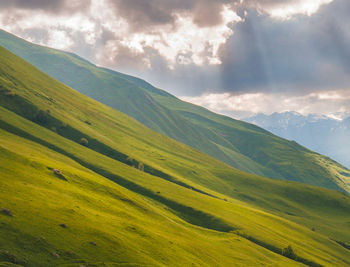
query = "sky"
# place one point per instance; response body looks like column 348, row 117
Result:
column 235, row 57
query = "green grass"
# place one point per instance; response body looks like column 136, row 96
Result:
column 188, row 209
column 241, row 145
column 125, row 227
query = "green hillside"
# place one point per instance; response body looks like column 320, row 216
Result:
column 241, row 145
column 128, row 196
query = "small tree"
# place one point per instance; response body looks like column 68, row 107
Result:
column 84, row 141
column 289, row 252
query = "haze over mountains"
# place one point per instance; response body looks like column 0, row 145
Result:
column 322, row 134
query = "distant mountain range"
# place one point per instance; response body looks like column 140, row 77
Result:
column 322, row 134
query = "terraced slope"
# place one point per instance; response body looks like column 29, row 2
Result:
column 132, row 197
column 241, row 145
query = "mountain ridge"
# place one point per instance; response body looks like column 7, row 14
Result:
column 323, row 134
column 241, row 145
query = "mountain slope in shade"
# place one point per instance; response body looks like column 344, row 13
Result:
column 242, row 145
column 320, row 133
column 130, row 196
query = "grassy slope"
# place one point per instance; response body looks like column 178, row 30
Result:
column 137, row 217
column 125, row 227
column 239, row 144
column 288, row 158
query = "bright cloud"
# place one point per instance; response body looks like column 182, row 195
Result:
column 284, row 9
column 306, row 7
column 57, row 31
column 180, row 32
column 328, row 103
column 182, row 42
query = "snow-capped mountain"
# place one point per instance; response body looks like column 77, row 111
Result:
column 326, row 135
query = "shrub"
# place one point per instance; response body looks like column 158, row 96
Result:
column 84, row 141
column 63, row 225
column 7, row 92
column 289, row 252
column 131, row 161
column 42, row 117
column 6, row 212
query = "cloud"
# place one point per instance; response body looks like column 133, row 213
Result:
column 300, row 55
column 32, row 4
column 176, row 29
column 144, row 14
column 182, row 31
column 52, row 6
column 285, row 9
column 328, row 103
column 193, row 48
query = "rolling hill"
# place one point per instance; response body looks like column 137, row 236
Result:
column 84, row 184
column 239, row 144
